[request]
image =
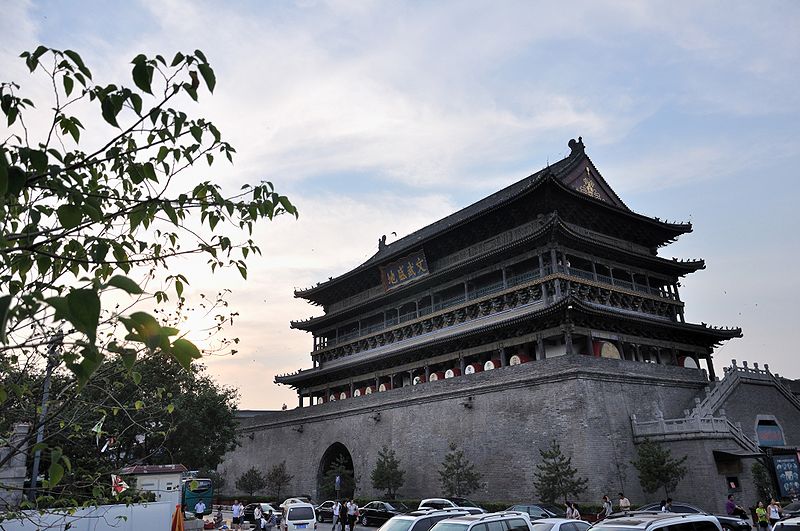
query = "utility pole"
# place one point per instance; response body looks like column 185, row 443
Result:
column 55, row 342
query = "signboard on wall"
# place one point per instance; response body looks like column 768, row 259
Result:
column 788, row 473
column 769, row 434
column 405, row 270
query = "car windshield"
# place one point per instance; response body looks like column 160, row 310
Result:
column 553, row 509
column 397, row 524
column 462, row 502
column 449, row 526
column 300, row 513
column 541, row 526
column 396, row 506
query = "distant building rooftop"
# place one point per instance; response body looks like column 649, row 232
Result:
column 153, row 469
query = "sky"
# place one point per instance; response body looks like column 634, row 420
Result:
column 379, row 117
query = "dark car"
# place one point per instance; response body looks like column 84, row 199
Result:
column 540, row 510
column 792, row 510
column 249, row 509
column 728, row 523
column 325, row 511
column 378, row 512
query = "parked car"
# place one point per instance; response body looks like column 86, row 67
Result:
column 378, row 512
column 791, row 510
column 540, row 510
column 420, row 520
column 559, row 524
column 728, row 523
column 787, row 524
column 658, row 521
column 298, row 516
column 325, row 511
column 443, row 503
column 506, row 521
column 265, row 509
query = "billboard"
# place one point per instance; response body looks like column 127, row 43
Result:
column 788, row 473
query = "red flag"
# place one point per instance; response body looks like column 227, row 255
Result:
column 117, row 484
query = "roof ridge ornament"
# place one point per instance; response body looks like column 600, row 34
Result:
column 576, row 147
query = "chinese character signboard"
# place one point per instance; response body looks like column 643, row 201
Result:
column 788, row 474
column 405, row 270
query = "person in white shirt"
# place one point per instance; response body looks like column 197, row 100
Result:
column 624, row 503
column 237, row 508
column 352, row 514
column 257, row 514
column 199, row 509
column 337, row 508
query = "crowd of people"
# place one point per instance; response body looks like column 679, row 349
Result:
column 344, row 514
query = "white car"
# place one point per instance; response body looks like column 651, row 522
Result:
column 559, row 524
column 450, row 503
column 298, row 516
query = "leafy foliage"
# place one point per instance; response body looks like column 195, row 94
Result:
column 762, row 482
column 251, row 481
column 93, row 211
column 657, row 469
column 457, row 475
column 170, row 416
column 555, row 478
column 278, row 479
column 387, row 474
column 343, row 468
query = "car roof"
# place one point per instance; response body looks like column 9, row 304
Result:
column 298, row 504
column 556, row 520
column 644, row 519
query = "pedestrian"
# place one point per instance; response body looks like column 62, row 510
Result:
column 774, row 512
column 607, row 509
column 337, row 507
column 572, row 511
column 343, row 513
column 352, row 514
column 199, row 509
column 237, row 509
column 570, row 515
column 761, row 517
column 663, row 506
column 218, row 517
column 624, row 503
column 734, row 510
column 271, row 521
column 668, row 506
column 257, row 514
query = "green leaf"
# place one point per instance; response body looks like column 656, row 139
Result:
column 170, row 212
column 136, row 377
column 109, row 111
column 55, row 474
column 61, row 307
column 178, row 288
column 197, row 133
column 178, row 58
column 138, row 405
column 201, row 56
column 208, row 76
column 68, row 84
column 185, row 351
column 69, row 216
column 125, row 284
column 84, row 310
column 128, row 358
column 143, row 75
column 5, row 307
column 170, row 408
column 79, row 62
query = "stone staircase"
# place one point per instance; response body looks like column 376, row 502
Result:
column 707, row 418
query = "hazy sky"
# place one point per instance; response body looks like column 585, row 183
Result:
column 385, row 116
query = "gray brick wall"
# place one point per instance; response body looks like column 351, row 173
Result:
column 583, row 403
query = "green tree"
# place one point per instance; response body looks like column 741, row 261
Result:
column 217, row 479
column 657, row 469
column 343, row 468
column 555, row 478
column 278, row 479
column 387, row 474
column 251, row 481
column 94, row 208
column 762, row 482
column 457, row 475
